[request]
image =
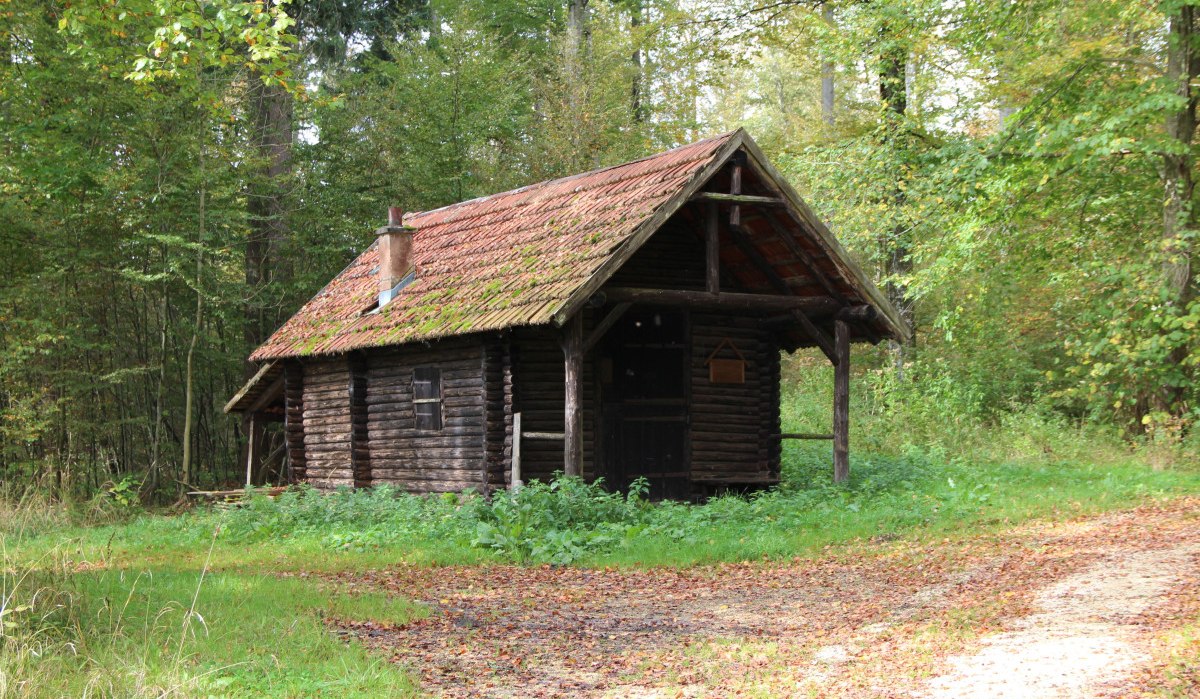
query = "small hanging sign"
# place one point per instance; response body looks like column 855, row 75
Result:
column 726, row 370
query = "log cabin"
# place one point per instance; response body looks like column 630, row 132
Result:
column 622, row 323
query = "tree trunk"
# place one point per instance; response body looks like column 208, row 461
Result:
column 1179, row 215
column 893, row 92
column 637, row 105
column 189, row 379
column 578, row 30
column 271, row 109
column 827, row 69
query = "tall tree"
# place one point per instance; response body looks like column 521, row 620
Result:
column 1178, row 171
column 893, row 94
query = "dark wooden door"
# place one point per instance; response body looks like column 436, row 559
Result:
column 643, row 374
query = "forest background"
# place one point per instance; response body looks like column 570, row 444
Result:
column 177, row 177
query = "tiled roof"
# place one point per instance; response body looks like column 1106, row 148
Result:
column 501, row 261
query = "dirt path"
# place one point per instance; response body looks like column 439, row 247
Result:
column 1083, row 634
column 1051, row 610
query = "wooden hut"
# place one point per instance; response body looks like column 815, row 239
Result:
column 621, row 323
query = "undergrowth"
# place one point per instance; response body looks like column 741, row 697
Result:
column 918, row 493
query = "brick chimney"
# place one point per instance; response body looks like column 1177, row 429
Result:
column 395, row 255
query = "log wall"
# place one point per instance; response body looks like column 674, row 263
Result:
column 293, row 420
column 539, row 395
column 360, row 452
column 734, row 427
column 428, row 461
column 327, row 424
column 498, row 411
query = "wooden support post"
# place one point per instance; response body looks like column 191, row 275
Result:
column 573, row 409
column 841, row 402
column 514, row 481
column 251, row 450
column 735, row 188
column 712, row 251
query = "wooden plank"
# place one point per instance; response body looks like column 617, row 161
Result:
column 841, row 402
column 722, row 301
column 804, row 435
column 572, row 409
column 515, row 478
column 738, row 199
column 735, row 189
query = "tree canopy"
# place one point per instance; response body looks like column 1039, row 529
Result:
column 178, row 177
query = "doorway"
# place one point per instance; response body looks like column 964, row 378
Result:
column 644, row 380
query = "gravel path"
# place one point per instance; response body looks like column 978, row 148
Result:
column 1083, row 635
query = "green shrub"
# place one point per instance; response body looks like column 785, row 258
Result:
column 560, row 521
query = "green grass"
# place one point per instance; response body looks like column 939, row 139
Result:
column 141, row 631
column 108, row 610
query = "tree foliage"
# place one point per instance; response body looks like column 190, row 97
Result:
column 1032, row 199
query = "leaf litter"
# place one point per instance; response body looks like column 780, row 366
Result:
column 907, row 618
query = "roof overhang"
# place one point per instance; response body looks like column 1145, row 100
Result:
column 260, row 391
column 794, row 207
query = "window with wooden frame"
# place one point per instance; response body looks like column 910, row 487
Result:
column 427, row 398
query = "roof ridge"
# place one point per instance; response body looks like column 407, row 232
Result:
column 567, row 178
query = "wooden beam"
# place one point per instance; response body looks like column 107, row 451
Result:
column 799, row 211
column 723, row 198
column 269, row 394
column 735, row 188
column 742, row 241
column 712, row 251
column 605, row 323
column 804, row 435
column 647, row 228
column 850, row 314
column 573, row 405
column 805, row 258
column 545, row 435
column 818, row 335
column 857, row 314
column 722, row 301
column 514, row 478
column 246, row 387
column 251, row 453
column 841, row 402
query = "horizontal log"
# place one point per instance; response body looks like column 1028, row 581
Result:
column 722, row 301
column 722, row 197
column 803, row 435
column 542, row 435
